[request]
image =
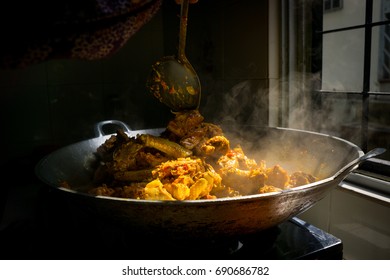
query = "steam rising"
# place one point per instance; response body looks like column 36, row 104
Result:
column 245, row 107
column 245, row 103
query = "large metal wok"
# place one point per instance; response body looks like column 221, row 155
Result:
column 324, row 156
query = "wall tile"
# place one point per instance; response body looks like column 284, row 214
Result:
column 362, row 224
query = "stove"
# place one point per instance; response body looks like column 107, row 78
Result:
column 39, row 223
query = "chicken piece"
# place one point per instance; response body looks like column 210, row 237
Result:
column 147, row 158
column 189, row 130
column 179, row 188
column 216, row 147
column 184, row 121
column 124, row 157
column 192, row 139
column 172, row 169
column 103, row 190
column 236, row 158
column 134, row 190
column 199, row 134
column 179, row 191
column 156, row 191
column 241, row 173
column 101, row 174
column 245, row 182
column 187, row 178
column 277, row 177
column 300, row 178
column 105, row 151
column 200, row 189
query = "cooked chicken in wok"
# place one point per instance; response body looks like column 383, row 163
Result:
column 190, row 160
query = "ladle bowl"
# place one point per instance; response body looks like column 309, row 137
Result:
column 173, row 80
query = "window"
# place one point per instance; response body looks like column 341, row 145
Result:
column 355, row 64
column 332, row 5
column 330, row 70
column 384, row 70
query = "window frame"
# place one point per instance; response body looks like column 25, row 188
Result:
column 332, row 5
column 372, row 178
column 299, row 57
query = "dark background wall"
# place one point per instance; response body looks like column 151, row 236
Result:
column 56, row 103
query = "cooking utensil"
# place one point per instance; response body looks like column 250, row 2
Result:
column 327, row 157
column 173, row 80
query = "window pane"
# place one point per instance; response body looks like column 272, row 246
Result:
column 327, row 5
column 379, row 123
column 340, row 116
column 342, row 60
column 352, row 13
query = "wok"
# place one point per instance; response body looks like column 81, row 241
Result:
column 327, row 157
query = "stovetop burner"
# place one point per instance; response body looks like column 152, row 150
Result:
column 56, row 231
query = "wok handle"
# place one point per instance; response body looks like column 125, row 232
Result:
column 98, row 129
column 343, row 172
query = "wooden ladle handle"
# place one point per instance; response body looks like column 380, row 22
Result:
column 183, row 29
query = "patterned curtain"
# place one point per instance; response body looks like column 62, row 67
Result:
column 36, row 31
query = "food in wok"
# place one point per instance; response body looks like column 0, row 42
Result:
column 328, row 158
column 191, row 159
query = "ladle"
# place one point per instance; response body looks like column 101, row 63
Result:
column 173, row 80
